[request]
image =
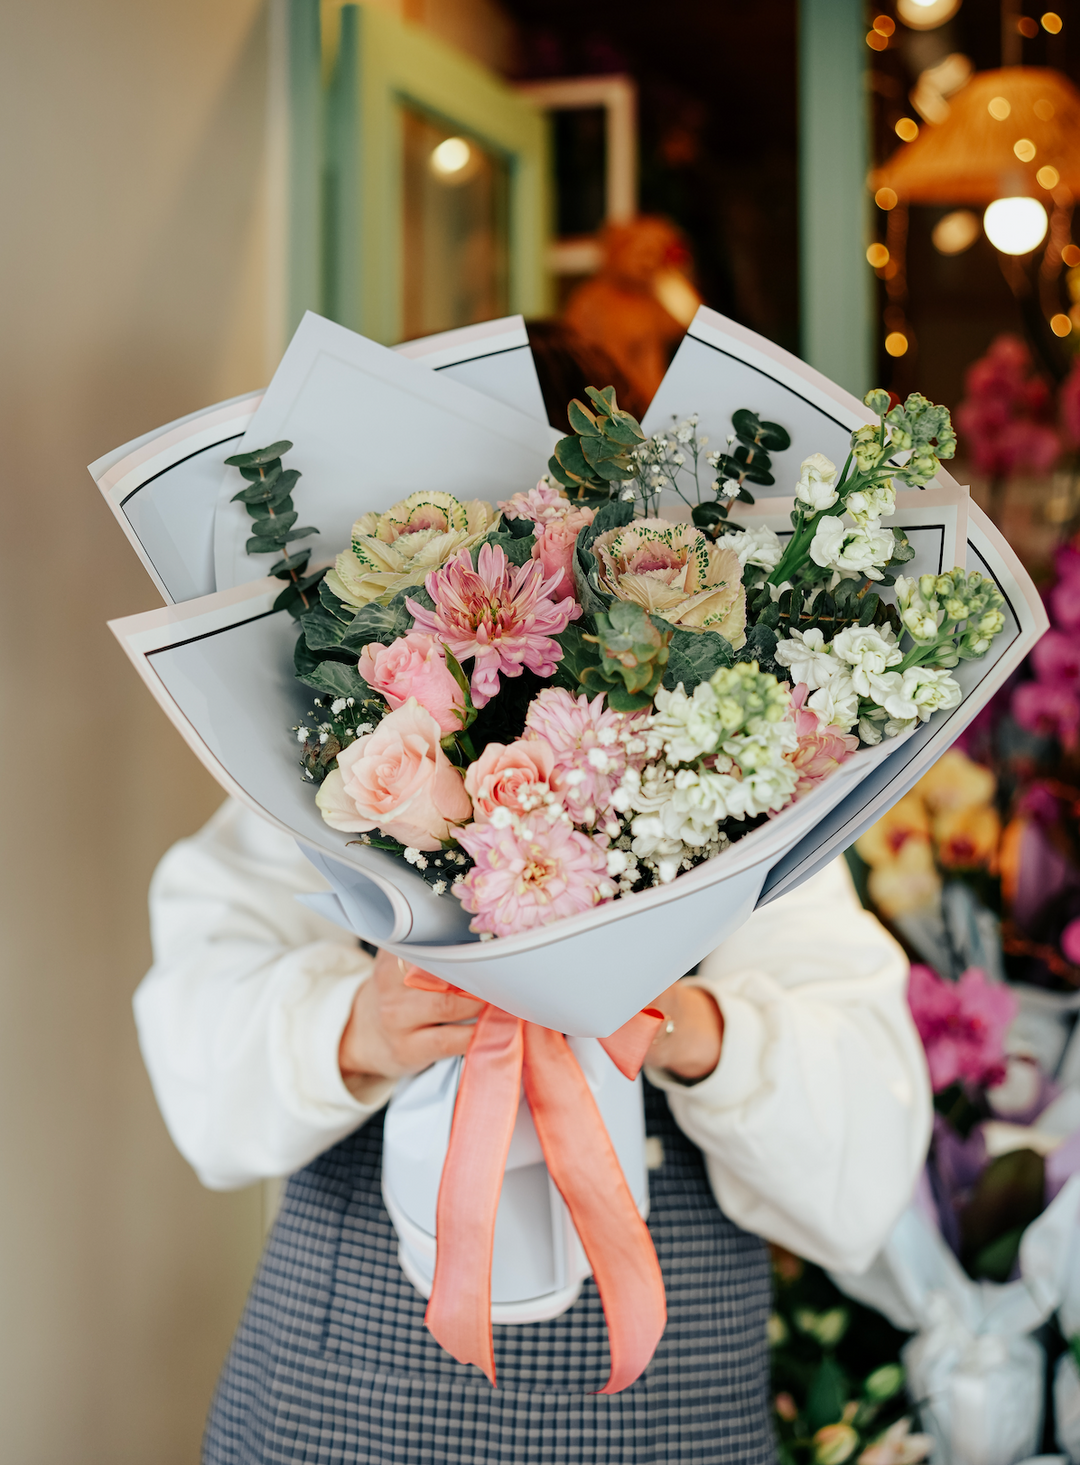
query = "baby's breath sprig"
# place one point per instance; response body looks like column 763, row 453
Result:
column 335, row 722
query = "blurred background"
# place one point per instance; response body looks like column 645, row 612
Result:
column 885, row 190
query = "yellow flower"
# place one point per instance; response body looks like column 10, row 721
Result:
column 884, row 842
column 908, row 882
column 955, row 782
column 968, row 838
column 400, row 548
column 834, row 1443
column 673, row 571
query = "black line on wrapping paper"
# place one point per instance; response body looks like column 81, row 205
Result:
column 169, row 468
column 484, row 356
column 190, row 641
column 762, row 372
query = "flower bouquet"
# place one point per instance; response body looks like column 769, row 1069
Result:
column 545, row 714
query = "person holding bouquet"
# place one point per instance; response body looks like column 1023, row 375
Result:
column 786, row 1098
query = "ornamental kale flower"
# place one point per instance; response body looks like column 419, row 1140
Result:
column 530, row 872
column 675, row 571
column 395, row 550
column 498, row 615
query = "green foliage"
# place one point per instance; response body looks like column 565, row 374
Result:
column 1008, row 1196
column 601, row 451
column 516, row 546
column 693, row 656
column 760, row 646
column 750, row 461
column 268, row 501
column 382, row 623
column 632, row 654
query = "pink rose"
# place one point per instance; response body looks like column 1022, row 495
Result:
column 554, row 548
column 415, row 666
column 399, row 780
column 503, row 776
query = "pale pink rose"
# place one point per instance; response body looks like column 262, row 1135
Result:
column 554, row 548
column 514, row 777
column 822, row 747
column 399, row 780
column 415, row 666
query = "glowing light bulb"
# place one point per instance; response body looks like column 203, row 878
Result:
column 451, row 156
column 1015, row 225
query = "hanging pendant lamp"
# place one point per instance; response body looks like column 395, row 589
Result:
column 1009, row 133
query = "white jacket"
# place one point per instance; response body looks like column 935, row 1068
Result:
column 814, row 1124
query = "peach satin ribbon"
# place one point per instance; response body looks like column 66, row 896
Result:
column 506, row 1052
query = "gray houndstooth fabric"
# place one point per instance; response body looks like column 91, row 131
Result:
column 332, row 1362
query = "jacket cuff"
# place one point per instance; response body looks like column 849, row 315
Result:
column 316, row 1039
column 738, row 1074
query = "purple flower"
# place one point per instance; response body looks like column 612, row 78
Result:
column 1056, row 659
column 962, row 1025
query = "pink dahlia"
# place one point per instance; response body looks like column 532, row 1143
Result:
column 589, row 743
column 962, row 1025
column 542, row 504
column 822, row 747
column 530, row 872
column 498, row 615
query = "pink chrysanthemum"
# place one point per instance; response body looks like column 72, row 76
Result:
column 962, row 1025
column 499, row 615
column 589, row 743
column 822, row 747
column 530, row 872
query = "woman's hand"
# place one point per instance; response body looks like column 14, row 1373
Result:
column 394, row 1030
column 691, row 1050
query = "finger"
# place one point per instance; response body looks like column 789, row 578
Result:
column 428, row 1045
column 426, row 1009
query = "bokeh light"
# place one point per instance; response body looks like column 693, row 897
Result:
column 1051, row 22
column 896, row 343
column 1024, row 149
column 451, row 156
column 907, row 129
column 1015, row 225
column 955, row 232
column 999, row 108
column 1060, row 324
column 878, row 256
column 1048, row 177
column 886, row 198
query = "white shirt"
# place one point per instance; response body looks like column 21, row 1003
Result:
column 814, row 1124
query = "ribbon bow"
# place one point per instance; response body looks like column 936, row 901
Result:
column 506, row 1052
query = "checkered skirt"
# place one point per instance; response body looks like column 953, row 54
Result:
column 332, row 1362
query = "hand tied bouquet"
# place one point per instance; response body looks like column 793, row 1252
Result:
column 569, row 698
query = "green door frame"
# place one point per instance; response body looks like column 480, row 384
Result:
column 381, row 64
column 836, row 283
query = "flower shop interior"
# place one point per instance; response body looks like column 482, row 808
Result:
column 885, row 191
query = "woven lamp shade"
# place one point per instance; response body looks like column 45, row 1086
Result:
column 970, row 157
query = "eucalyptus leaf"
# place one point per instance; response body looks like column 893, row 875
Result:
column 269, row 525
column 260, row 455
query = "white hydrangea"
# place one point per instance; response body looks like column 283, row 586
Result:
column 759, row 546
column 869, row 651
column 848, row 551
column 807, row 655
column 815, row 488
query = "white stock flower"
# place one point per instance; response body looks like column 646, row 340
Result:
column 759, row 546
column 877, row 501
column 685, row 727
column 918, row 693
column 848, row 551
column 869, row 651
column 815, row 487
column 837, row 702
column 807, row 655
column 919, row 611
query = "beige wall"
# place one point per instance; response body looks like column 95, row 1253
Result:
column 134, row 287
column 131, row 291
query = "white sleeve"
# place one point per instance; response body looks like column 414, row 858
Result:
column 241, row 1015
column 816, row 1120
